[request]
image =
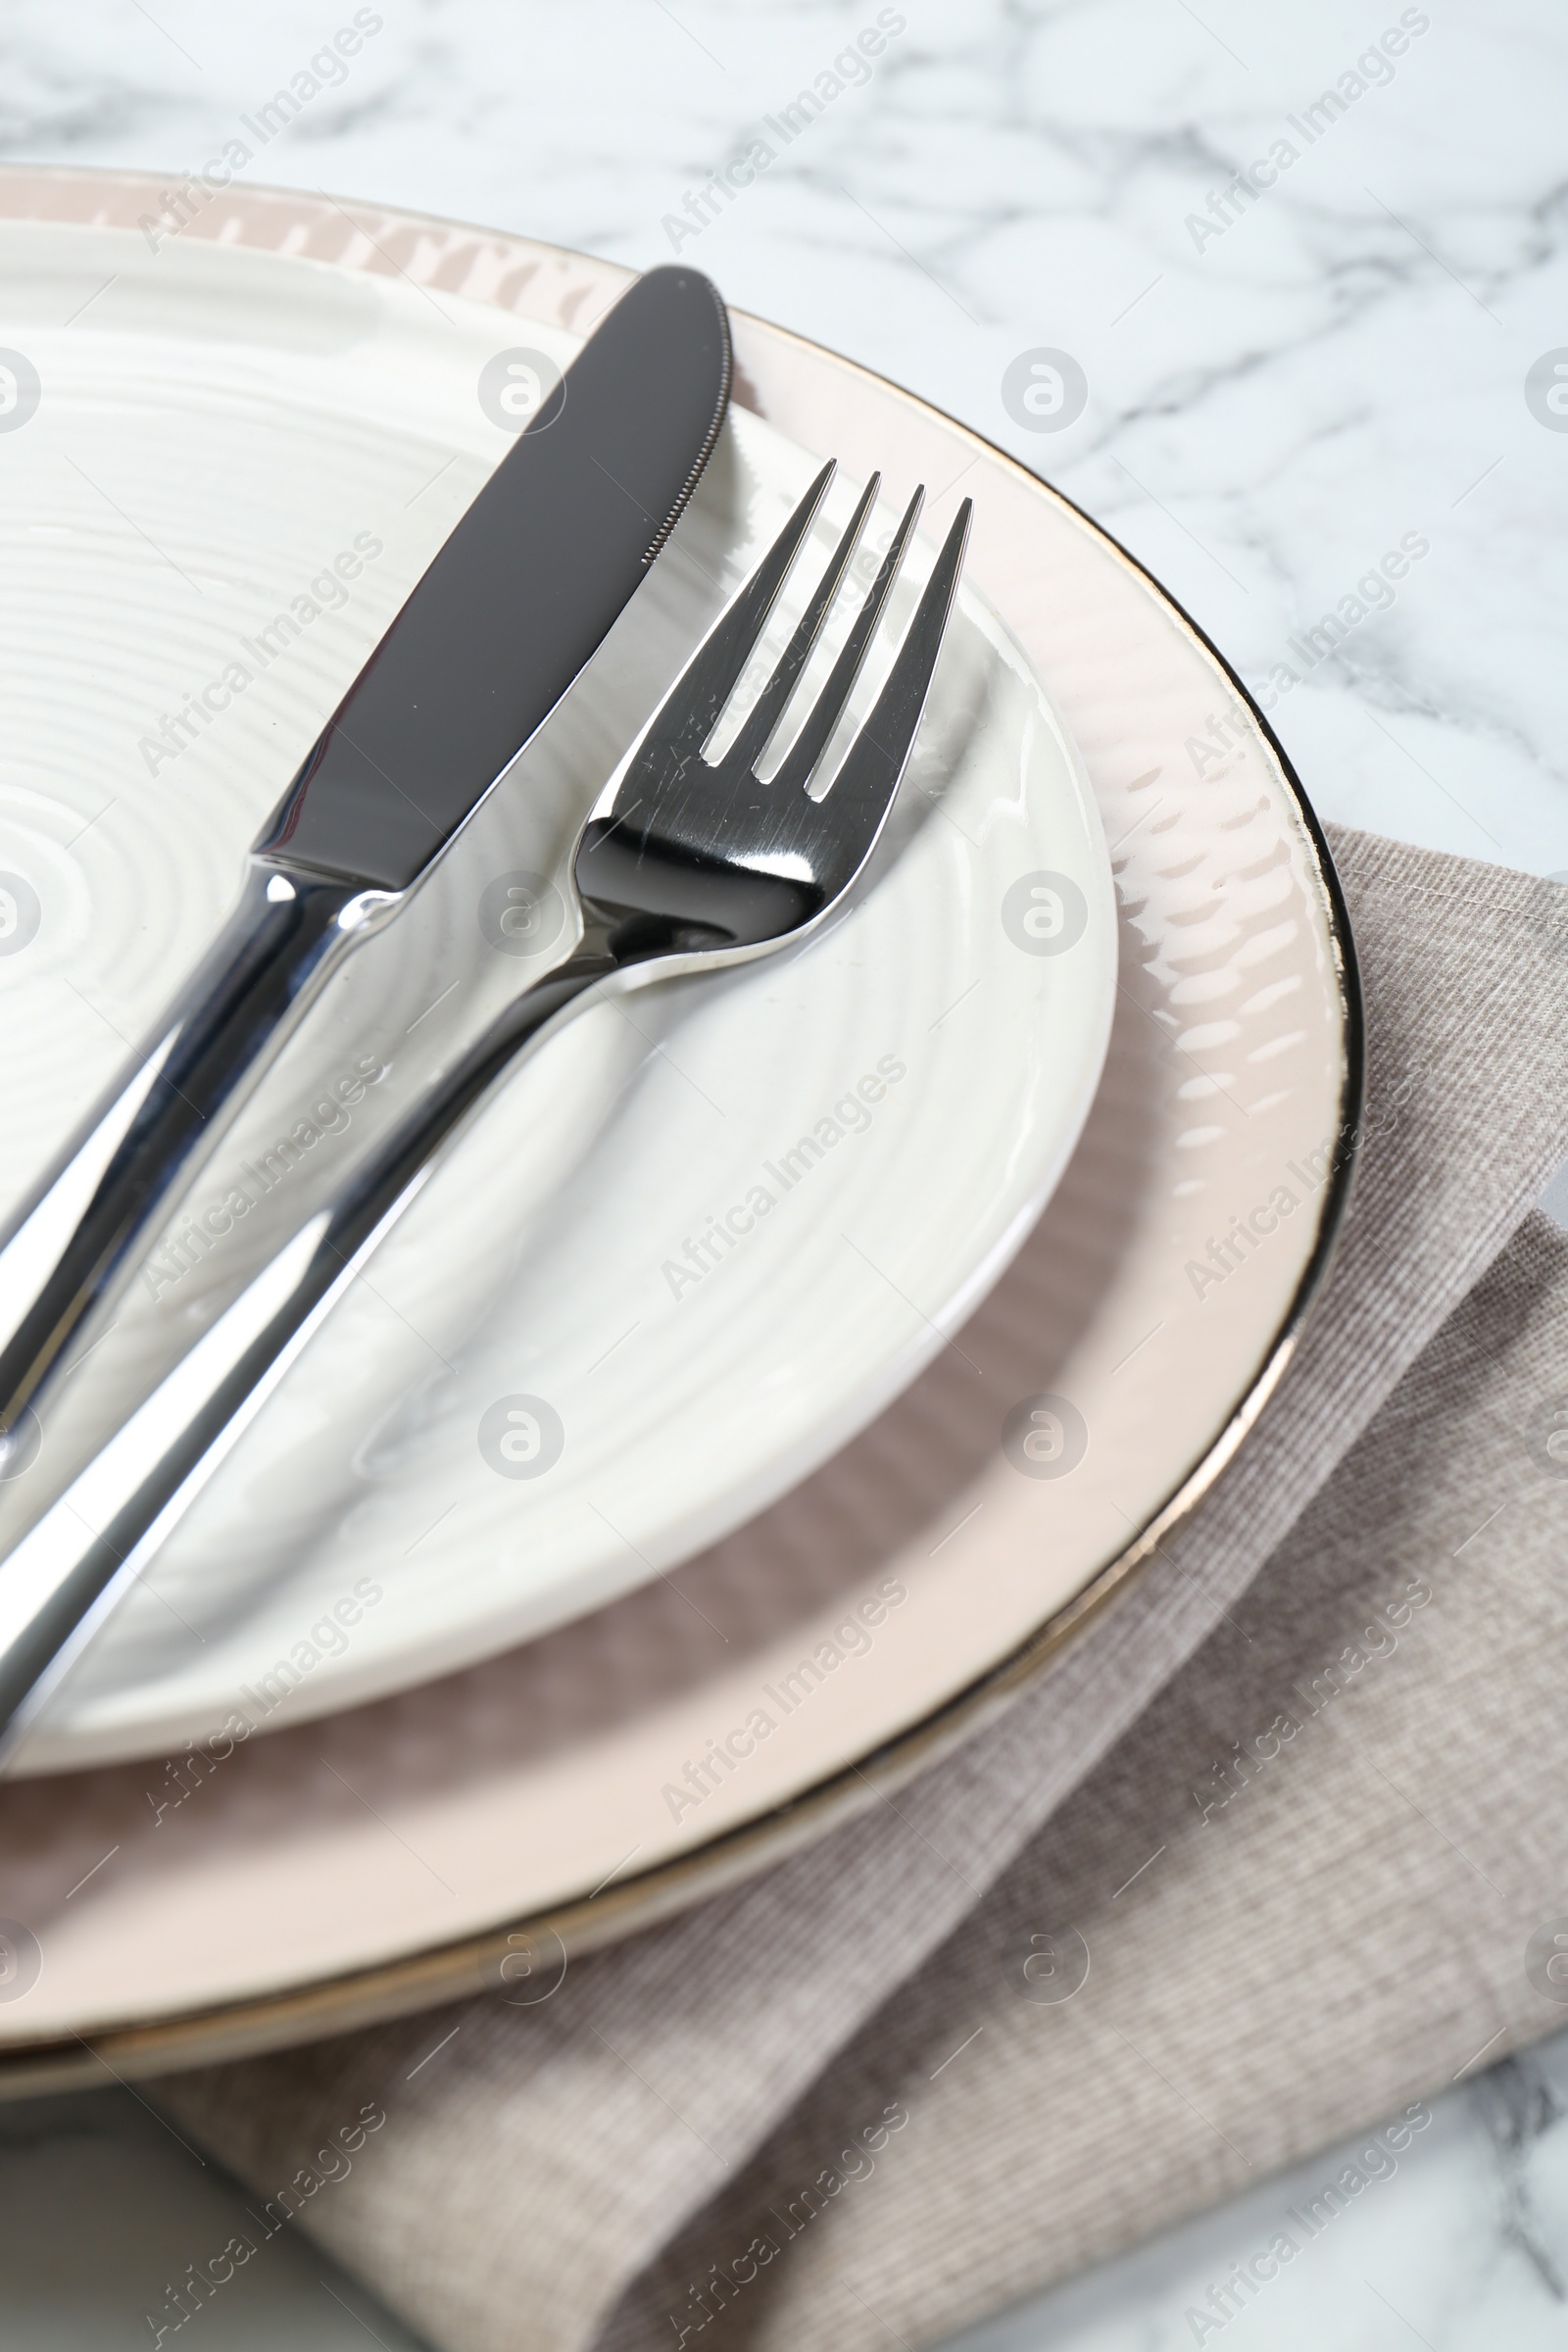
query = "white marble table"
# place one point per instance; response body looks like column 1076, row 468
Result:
column 1273, row 383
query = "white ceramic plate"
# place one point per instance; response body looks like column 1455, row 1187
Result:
column 709, row 1232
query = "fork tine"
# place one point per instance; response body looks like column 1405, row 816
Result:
column 812, row 740
column 862, row 790
column 693, row 705
column 762, row 721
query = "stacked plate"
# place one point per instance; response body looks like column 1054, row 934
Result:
column 869, row 1313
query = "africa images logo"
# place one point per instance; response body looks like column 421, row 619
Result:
column 851, row 70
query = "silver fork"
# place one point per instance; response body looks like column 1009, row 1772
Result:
column 685, row 865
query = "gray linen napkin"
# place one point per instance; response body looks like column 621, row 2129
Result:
column 531, row 2177
column 1317, row 1881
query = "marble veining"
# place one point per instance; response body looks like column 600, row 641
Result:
column 1280, row 385
column 1461, row 2248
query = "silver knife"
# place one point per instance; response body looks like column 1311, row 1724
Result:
column 512, row 606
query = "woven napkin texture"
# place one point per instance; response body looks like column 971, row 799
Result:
column 1310, row 1888
column 600, row 2167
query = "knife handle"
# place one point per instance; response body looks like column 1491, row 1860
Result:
column 74, row 1239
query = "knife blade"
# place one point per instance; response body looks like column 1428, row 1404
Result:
column 486, row 646
column 520, row 595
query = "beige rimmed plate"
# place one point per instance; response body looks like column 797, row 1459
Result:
column 692, row 1730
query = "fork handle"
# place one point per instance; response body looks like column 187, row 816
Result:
column 75, row 1238
column 62, row 1578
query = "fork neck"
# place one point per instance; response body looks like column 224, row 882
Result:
column 656, row 893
